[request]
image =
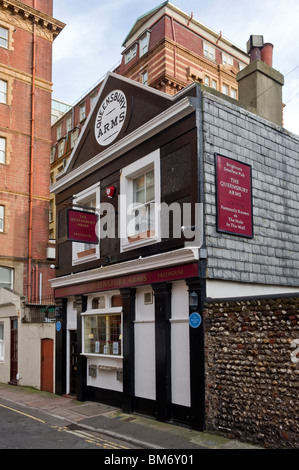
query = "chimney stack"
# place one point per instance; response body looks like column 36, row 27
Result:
column 260, row 86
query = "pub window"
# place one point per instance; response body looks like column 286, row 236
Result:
column 140, row 186
column 2, row 150
column 103, row 334
column 3, row 37
column 3, row 91
column 87, row 200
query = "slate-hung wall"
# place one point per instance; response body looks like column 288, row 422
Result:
column 272, row 256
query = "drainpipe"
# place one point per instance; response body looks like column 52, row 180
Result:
column 31, row 159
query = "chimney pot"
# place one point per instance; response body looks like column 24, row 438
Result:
column 267, row 54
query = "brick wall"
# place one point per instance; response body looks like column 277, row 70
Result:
column 252, row 372
column 272, row 256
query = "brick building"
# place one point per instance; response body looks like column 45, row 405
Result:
column 27, row 31
column 166, row 49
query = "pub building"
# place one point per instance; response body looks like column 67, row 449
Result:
column 157, row 210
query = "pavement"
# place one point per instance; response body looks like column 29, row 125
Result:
column 140, row 431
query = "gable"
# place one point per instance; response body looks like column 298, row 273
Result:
column 123, row 105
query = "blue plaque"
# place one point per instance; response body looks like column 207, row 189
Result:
column 195, row 320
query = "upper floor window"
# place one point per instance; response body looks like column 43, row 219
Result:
column 2, row 150
column 144, row 44
column 74, row 137
column 3, row 37
column 131, row 53
column 87, row 199
column 209, row 51
column 144, row 77
column 227, row 60
column 225, row 89
column 140, row 202
column 3, row 91
column 2, row 213
column 6, row 277
column 59, row 131
column 82, row 112
column 69, row 124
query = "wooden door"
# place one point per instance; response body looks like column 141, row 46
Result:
column 14, row 351
column 47, row 375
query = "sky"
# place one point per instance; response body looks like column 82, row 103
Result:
column 91, row 43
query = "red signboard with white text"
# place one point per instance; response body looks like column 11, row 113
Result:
column 234, row 197
column 82, row 226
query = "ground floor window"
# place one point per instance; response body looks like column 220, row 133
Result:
column 103, row 334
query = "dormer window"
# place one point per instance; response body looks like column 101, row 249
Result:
column 131, row 53
column 144, row 43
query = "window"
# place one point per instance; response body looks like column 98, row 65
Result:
column 82, row 112
column 3, row 91
column 1, row 342
column 52, row 156
column 209, row 51
column 144, row 77
column 93, row 100
column 214, row 84
column 225, row 89
column 233, row 93
column 207, row 81
column 227, row 60
column 140, row 200
column 130, row 54
column 103, row 334
column 3, row 37
column 2, row 212
column 144, row 44
column 2, row 150
column 61, row 148
column 69, row 124
column 74, row 137
column 6, row 277
column 90, row 198
column 59, row 131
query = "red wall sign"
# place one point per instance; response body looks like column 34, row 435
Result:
column 234, row 197
column 82, row 226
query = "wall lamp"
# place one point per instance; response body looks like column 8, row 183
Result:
column 193, row 300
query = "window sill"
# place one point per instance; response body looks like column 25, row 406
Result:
column 109, row 356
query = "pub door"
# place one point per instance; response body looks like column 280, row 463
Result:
column 73, row 362
column 47, row 374
column 14, row 351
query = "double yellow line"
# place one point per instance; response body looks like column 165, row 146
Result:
column 24, row 414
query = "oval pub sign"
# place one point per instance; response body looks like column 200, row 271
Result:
column 110, row 117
